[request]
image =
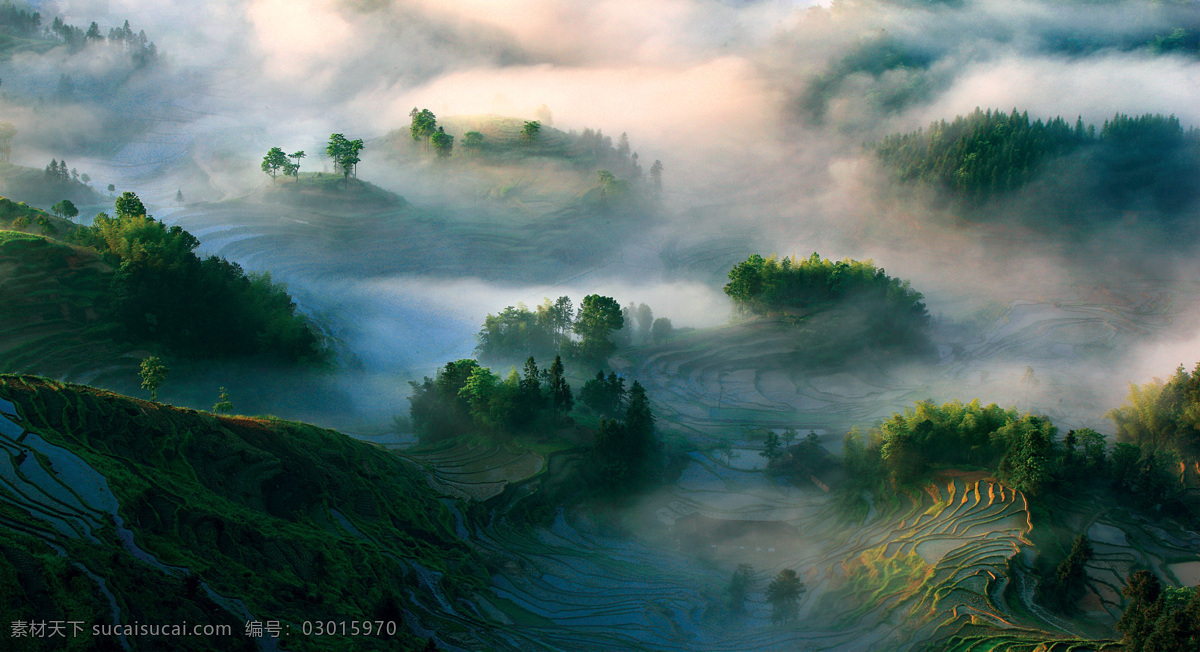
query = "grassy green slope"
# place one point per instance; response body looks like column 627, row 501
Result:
column 54, row 320
column 297, row 522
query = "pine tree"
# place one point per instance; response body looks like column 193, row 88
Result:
column 1144, row 608
column 639, row 426
column 739, row 586
column 771, row 448
column 656, row 171
column 153, row 372
column 784, row 595
column 223, row 404
column 623, row 146
column 560, row 391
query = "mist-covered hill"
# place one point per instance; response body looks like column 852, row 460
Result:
column 394, row 186
column 1058, row 178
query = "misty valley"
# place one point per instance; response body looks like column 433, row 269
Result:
column 863, row 325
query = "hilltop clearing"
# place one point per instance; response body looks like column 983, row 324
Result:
column 329, row 195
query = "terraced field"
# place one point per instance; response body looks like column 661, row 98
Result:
column 134, row 496
column 717, row 381
column 504, row 238
column 928, row 570
column 477, row 471
column 748, row 375
column 53, row 319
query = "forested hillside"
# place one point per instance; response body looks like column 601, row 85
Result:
column 129, row 280
column 842, row 307
column 1141, row 163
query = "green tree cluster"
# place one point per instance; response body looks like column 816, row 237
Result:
column 1148, row 475
column 595, row 150
column 137, row 46
column 65, row 208
column 518, row 331
column 992, row 153
column 1163, row 417
column 1067, row 584
column 604, row 395
column 739, row 587
column 661, row 330
column 626, row 455
column 424, row 128
column 1158, row 619
column 60, row 172
column 472, row 141
column 1178, row 40
column 18, row 22
column 223, row 404
column 344, row 153
column 153, row 372
column 424, row 125
column 906, row 448
column 981, row 154
column 276, row 161
column 531, row 130
column 163, row 292
column 1023, row 450
column 595, row 147
column 772, row 448
column 598, row 317
column 807, row 458
column 15, row 21
column 874, row 56
column 607, row 183
column 442, row 143
column 465, row 397
column 854, row 297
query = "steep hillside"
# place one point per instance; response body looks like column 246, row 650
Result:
column 116, row 510
column 19, row 216
column 73, row 311
column 55, row 318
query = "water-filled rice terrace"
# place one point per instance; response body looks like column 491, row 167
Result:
column 490, row 240
column 922, row 569
column 753, row 374
column 948, row 568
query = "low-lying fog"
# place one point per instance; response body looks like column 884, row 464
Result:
column 762, row 113
column 759, row 111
